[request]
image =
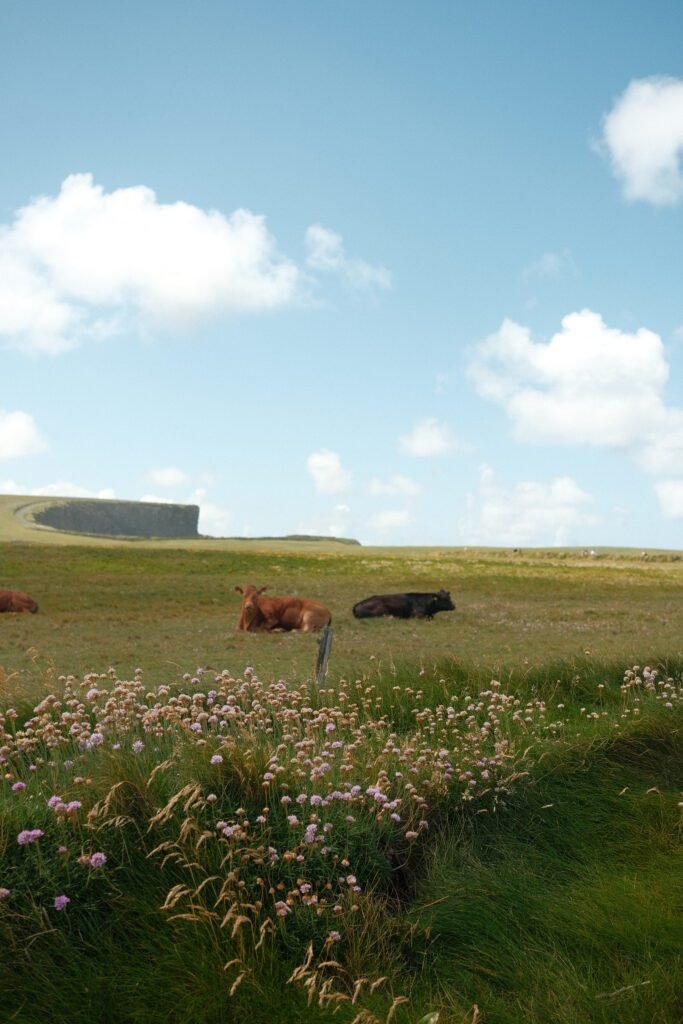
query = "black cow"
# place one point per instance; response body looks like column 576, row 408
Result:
column 404, row 606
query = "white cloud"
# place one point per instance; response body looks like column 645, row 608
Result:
column 428, row 439
column 59, row 489
column 643, row 134
column 670, row 495
column 340, row 524
column 328, row 474
column 214, row 520
column 530, row 512
column 167, row 476
column 390, row 519
column 398, row 484
column 19, row 435
column 156, row 499
column 549, row 265
column 326, row 253
column 71, row 266
column 590, row 384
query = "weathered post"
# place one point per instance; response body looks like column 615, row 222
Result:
column 324, row 648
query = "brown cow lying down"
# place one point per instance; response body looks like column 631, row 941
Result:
column 266, row 613
column 15, row 601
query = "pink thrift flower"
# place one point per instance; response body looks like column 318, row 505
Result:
column 97, row 860
column 61, row 902
column 18, row 786
column 29, row 835
column 4, row 893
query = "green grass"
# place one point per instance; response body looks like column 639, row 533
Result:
column 562, row 907
column 568, row 907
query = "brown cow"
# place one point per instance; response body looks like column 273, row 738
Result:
column 15, row 601
column 290, row 613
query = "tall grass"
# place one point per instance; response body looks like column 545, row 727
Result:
column 404, row 840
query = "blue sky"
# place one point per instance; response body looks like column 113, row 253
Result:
column 403, row 272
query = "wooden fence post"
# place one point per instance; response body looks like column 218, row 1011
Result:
column 324, row 648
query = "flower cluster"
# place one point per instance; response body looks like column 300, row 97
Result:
column 292, row 783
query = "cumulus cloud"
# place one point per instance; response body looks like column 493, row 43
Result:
column 328, row 474
column 326, row 253
column 390, row 519
column 167, row 476
column 19, row 435
column 530, row 512
column 670, row 495
column 58, row 489
column 429, row 438
column 398, row 484
column 643, row 135
column 590, row 384
column 73, row 266
column 214, row 520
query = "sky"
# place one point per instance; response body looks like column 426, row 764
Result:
column 403, row 272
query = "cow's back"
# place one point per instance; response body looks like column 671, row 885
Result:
column 383, row 604
column 290, row 613
column 16, row 601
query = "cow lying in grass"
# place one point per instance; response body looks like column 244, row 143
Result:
column 291, row 613
column 404, row 606
column 15, row 601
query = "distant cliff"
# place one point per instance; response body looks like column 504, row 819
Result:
column 120, row 518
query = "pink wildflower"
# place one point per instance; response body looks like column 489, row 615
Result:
column 29, row 835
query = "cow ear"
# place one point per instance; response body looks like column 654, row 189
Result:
column 261, row 589
column 239, row 590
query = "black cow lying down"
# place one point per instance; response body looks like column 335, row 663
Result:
column 404, row 606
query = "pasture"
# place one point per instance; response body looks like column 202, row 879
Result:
column 477, row 816
column 171, row 609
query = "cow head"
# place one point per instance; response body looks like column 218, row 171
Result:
column 250, row 614
column 445, row 604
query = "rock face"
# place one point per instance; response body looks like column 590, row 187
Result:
column 121, row 518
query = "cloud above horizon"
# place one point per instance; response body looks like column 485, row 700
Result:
column 670, row 496
column 530, row 512
column 19, row 435
column 326, row 253
column 167, row 476
column 429, row 439
column 398, row 484
column 643, row 135
column 327, row 472
column 390, row 519
column 590, row 384
column 88, row 264
column 58, row 489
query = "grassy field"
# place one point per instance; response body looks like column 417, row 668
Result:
column 513, row 840
column 174, row 609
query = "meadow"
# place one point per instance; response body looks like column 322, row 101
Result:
column 477, row 817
